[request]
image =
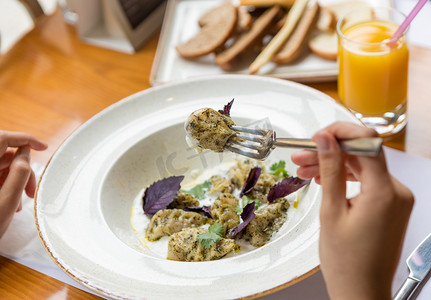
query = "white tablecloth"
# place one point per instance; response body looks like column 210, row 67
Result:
column 22, row 244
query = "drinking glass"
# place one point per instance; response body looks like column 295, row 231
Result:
column 373, row 68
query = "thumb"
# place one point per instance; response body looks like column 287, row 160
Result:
column 332, row 172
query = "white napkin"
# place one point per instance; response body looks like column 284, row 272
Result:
column 22, row 244
column 21, row 239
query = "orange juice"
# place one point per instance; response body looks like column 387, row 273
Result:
column 372, row 76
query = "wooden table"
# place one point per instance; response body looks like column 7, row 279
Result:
column 51, row 82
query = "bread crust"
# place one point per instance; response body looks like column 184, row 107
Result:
column 295, row 44
column 266, row 3
column 324, row 44
column 244, row 20
column 228, row 59
column 342, row 8
column 217, row 26
column 327, row 20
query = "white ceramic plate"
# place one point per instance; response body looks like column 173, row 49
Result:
column 85, row 195
column 181, row 23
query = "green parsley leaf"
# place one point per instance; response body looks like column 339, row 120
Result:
column 199, row 191
column 246, row 200
column 213, row 235
column 216, row 228
column 279, row 169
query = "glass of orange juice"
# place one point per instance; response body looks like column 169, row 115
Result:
column 373, row 68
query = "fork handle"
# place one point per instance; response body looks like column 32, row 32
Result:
column 406, row 289
column 360, row 146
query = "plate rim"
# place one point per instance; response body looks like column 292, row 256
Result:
column 117, row 295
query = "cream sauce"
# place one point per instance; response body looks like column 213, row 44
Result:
column 139, row 221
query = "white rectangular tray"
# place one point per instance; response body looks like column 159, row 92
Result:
column 181, row 23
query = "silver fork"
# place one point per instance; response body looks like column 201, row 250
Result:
column 258, row 143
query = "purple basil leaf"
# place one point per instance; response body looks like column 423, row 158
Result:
column 285, row 187
column 206, row 210
column 226, row 109
column 251, row 181
column 161, row 193
column 247, row 215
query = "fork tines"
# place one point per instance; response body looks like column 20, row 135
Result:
column 251, row 142
column 256, row 131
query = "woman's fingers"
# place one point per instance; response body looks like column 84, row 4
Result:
column 19, row 206
column 30, row 188
column 373, row 173
column 332, row 173
column 24, row 142
column 19, row 139
column 305, row 158
column 345, row 130
column 16, row 180
column 6, row 158
column 5, row 162
column 356, row 164
column 16, row 174
column 310, row 172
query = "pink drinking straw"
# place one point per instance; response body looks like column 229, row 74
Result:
column 400, row 31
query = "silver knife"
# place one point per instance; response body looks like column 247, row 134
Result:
column 419, row 263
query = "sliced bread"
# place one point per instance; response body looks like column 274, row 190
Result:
column 244, row 20
column 343, row 8
column 325, row 45
column 295, row 44
column 217, row 26
column 246, row 43
column 327, row 20
column 266, row 3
